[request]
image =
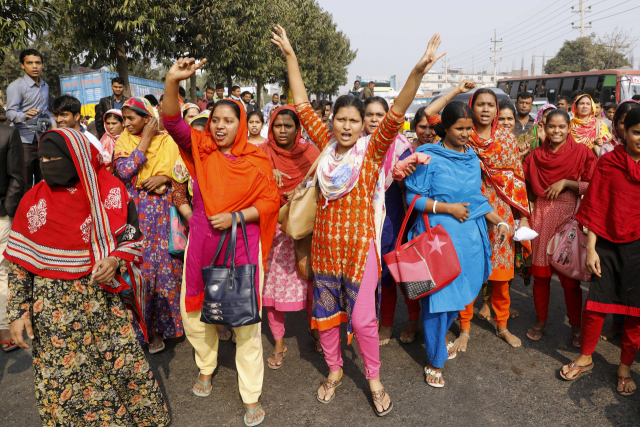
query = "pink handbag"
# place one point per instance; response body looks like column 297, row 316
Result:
column 567, row 250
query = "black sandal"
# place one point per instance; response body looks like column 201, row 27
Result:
column 378, row 396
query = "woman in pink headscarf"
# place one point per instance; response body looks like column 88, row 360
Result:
column 113, row 126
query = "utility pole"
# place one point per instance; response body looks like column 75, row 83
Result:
column 522, row 67
column 533, row 64
column 543, row 63
column 582, row 11
column 446, row 71
column 495, row 59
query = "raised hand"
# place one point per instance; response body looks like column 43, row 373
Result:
column 466, row 85
column 183, row 68
column 429, row 58
column 280, row 39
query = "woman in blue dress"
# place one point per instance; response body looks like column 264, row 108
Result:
column 449, row 190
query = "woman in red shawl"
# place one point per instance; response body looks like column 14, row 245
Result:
column 559, row 172
column 613, row 254
column 284, row 288
column 504, row 185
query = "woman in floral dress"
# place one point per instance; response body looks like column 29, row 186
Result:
column 144, row 160
column 88, row 366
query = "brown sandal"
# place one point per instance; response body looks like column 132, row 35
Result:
column 573, row 367
column 622, row 381
column 378, row 397
column 272, row 361
column 328, row 385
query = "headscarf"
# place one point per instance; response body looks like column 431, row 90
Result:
column 584, row 131
column 230, row 185
column 91, row 216
column 108, row 141
column 397, row 149
column 501, row 164
column 540, row 114
column 188, row 105
column 572, row 161
column 161, row 154
column 531, row 139
column 295, row 163
column 610, row 205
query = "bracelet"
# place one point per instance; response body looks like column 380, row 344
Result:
column 445, row 98
column 434, row 206
column 503, row 223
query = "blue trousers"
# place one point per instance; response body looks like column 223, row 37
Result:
column 435, row 327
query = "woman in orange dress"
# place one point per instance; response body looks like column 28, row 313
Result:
column 584, row 125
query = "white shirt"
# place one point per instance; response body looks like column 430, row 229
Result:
column 92, row 139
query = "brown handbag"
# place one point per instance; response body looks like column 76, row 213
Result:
column 303, row 256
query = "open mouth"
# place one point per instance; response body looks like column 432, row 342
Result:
column 220, row 136
column 346, row 136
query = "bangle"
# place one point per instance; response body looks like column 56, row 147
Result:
column 434, row 206
column 445, row 98
column 503, row 223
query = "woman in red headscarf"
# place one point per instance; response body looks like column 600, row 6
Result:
column 504, row 185
column 284, row 288
column 558, row 172
column 230, row 175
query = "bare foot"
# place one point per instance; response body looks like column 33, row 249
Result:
column 513, row 313
column 485, row 311
column 582, row 360
column 628, row 387
column 409, row 334
column 385, row 334
column 611, row 333
column 576, row 333
column 511, row 339
column 433, row 376
column 199, row 387
column 326, row 395
column 535, row 332
column 460, row 344
column 156, row 342
column 256, row 415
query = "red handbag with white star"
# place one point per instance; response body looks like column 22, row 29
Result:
column 425, row 264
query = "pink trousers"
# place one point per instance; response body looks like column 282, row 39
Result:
column 276, row 318
column 365, row 325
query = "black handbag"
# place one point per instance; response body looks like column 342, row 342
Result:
column 230, row 297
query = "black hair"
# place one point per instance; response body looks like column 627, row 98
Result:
column 417, row 118
column 184, row 113
column 346, row 101
column 622, row 110
column 161, row 98
column 66, row 103
column 255, row 113
column 609, row 105
column 479, row 92
column 219, row 86
column 451, row 113
column 210, row 104
column 229, row 103
column 636, row 97
column 357, row 81
column 566, row 98
column 200, row 121
column 114, row 116
column 182, row 92
column 244, row 93
column 234, row 88
column 524, row 95
column 507, row 105
column 317, row 105
column 283, row 96
column 597, row 101
column 291, row 114
column 558, row 112
column 118, row 80
column 152, row 99
column 577, row 93
column 208, row 88
column 380, row 100
column 632, row 118
column 28, row 52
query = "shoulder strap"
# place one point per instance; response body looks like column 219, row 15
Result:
column 425, row 218
column 315, row 164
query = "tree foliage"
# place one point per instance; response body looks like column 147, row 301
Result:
column 21, row 21
column 584, row 54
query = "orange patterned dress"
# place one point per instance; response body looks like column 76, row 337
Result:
column 504, row 185
column 345, row 227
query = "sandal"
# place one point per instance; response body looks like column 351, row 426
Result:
column 251, row 412
column 225, row 334
column 378, row 396
column 274, row 357
column 204, row 385
column 451, row 356
column 316, row 342
column 412, row 338
column 328, row 385
column 622, row 381
column 573, row 367
column 154, row 350
column 576, row 337
column 428, row 371
column 10, row 345
column 541, row 330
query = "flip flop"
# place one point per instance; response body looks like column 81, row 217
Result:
column 428, row 371
column 157, row 349
column 622, row 381
column 576, row 336
column 451, row 356
column 251, row 412
column 378, row 396
column 531, row 337
column 222, row 335
column 276, row 366
column 204, row 385
column 573, row 367
column 328, row 385
column 12, row 346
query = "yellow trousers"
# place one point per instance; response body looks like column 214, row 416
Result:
column 204, row 339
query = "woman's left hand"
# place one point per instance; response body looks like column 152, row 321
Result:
column 104, row 270
column 599, row 142
column 502, row 238
column 524, row 222
column 222, row 221
column 278, row 175
column 409, row 170
column 554, row 190
column 151, row 184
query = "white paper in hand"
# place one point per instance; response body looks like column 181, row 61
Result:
column 523, row 234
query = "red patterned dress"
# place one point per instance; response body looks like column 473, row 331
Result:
column 345, row 227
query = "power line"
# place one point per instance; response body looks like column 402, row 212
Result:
column 619, row 13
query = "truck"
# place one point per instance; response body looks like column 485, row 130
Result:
column 90, row 86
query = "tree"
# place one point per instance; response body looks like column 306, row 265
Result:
column 583, row 54
column 617, row 44
column 21, row 21
column 119, row 32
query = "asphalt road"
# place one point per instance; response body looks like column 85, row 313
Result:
column 491, row 384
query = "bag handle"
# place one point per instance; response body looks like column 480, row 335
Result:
column 223, row 236
column 244, row 234
column 231, row 245
column 425, row 218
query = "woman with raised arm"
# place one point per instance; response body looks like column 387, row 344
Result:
column 346, row 238
column 425, row 128
column 230, row 175
column 449, row 190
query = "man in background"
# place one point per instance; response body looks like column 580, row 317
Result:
column 235, row 93
column 275, row 99
column 28, row 110
column 356, row 90
column 283, row 99
column 209, row 94
column 368, row 91
column 66, row 112
column 115, row 100
column 564, row 103
column 247, row 101
column 219, row 92
column 524, row 120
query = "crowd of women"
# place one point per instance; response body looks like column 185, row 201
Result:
column 89, row 302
